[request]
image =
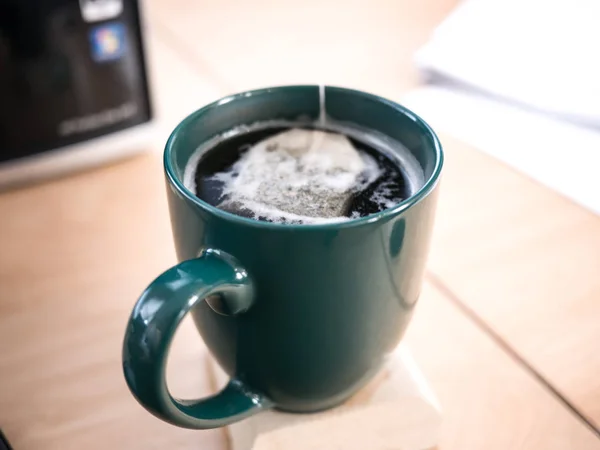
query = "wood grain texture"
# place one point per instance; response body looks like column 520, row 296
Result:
column 62, row 385
column 74, row 255
column 525, row 260
column 245, row 45
column 488, row 400
column 177, row 87
column 76, row 252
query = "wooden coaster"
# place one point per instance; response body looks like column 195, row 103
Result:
column 396, row 410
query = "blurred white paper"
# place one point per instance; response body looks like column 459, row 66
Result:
column 557, row 154
column 536, row 53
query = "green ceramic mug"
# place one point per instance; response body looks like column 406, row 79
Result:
column 299, row 316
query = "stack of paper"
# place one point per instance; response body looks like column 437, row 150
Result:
column 519, row 80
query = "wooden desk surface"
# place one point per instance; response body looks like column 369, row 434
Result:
column 507, row 327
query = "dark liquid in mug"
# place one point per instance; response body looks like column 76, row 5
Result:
column 391, row 186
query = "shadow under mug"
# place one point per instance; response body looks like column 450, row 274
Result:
column 299, row 316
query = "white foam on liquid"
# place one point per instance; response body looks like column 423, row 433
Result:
column 338, row 170
column 298, row 175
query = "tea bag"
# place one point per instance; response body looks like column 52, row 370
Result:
column 297, row 173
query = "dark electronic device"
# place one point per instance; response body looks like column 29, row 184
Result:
column 4, row 445
column 74, row 89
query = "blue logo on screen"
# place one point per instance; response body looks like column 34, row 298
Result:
column 108, row 42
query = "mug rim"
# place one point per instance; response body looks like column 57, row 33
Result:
column 405, row 204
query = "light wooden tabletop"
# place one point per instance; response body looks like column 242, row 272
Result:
column 507, row 326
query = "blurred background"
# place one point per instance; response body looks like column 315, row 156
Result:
column 517, row 79
column 90, row 90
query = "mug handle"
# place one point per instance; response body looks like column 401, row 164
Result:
column 151, row 328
